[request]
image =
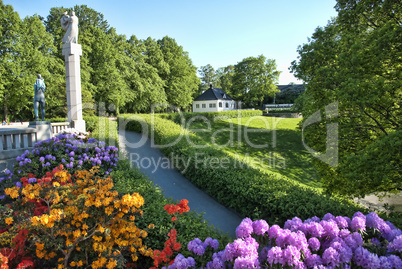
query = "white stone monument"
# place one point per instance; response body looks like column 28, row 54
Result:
column 72, row 52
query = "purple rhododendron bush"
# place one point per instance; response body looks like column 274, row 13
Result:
column 365, row 241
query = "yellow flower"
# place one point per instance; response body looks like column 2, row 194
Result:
column 39, row 246
column 80, row 263
column 9, row 221
column 111, row 264
column 151, row 226
column 72, row 264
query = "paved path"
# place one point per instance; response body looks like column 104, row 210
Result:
column 158, row 168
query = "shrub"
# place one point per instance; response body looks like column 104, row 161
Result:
column 69, row 150
column 212, row 116
column 365, row 241
column 247, row 190
column 103, row 129
column 79, row 220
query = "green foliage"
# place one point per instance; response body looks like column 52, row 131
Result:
column 208, row 76
column 103, row 129
column 179, row 118
column 378, row 165
column 238, row 185
column 254, row 78
column 353, row 61
column 26, row 50
column 189, row 226
column 181, row 81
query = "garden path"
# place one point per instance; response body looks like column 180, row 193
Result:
column 158, row 168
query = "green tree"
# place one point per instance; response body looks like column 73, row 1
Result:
column 354, row 61
column 143, row 78
column 226, row 78
column 181, row 81
column 208, row 77
column 26, row 49
column 254, row 78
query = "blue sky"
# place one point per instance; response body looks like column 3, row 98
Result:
column 215, row 32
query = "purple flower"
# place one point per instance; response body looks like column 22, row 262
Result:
column 328, row 216
column 365, row 259
column 354, row 241
column 293, row 224
column 260, row 227
column 249, row 261
column 245, row 228
column 275, row 256
column 32, row 180
column 313, row 261
column 395, row 261
column 314, row 243
column 330, row 257
column 18, row 184
column 291, row 255
column 358, row 223
column 71, row 154
column 180, row 262
column 315, row 229
column 63, row 161
column 197, row 246
column 396, row 244
column 331, row 229
column 342, row 222
column 273, row 232
column 212, row 242
column 42, row 159
column 218, row 261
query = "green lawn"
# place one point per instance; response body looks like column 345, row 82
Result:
column 273, row 145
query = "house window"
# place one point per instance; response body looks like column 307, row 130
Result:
column 220, row 104
column 212, row 105
column 204, row 106
column 227, row 105
column 197, row 106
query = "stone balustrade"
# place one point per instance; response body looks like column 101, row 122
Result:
column 57, row 127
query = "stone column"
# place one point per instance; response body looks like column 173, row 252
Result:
column 72, row 53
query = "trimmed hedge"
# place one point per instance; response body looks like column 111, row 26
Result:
column 211, row 116
column 103, row 129
column 250, row 192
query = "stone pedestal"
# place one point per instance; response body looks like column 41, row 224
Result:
column 72, row 53
column 43, row 129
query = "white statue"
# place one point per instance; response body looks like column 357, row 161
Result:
column 70, row 24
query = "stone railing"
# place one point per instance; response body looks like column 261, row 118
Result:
column 59, row 126
column 16, row 139
column 13, row 143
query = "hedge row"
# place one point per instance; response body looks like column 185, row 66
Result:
column 250, row 192
column 210, row 116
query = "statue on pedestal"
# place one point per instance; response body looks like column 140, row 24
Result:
column 39, row 97
column 70, row 24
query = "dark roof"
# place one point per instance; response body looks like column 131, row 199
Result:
column 214, row 94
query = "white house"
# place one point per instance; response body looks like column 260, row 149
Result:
column 212, row 100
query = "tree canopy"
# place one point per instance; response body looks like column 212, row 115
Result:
column 356, row 61
column 127, row 75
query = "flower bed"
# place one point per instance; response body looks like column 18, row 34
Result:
column 365, row 241
column 67, row 149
